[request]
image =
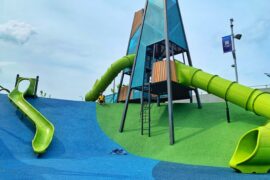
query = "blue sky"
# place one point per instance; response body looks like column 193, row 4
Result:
column 69, row 43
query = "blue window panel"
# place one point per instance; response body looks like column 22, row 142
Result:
column 134, row 41
column 175, row 25
column 152, row 32
column 112, row 98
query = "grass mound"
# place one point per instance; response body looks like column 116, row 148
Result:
column 202, row 137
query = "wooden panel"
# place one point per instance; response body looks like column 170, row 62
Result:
column 137, row 21
column 123, row 93
column 159, row 72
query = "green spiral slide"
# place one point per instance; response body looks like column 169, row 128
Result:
column 253, row 150
column 44, row 129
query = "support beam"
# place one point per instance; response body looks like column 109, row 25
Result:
column 198, row 99
column 142, row 113
column 17, row 79
column 158, row 100
column 227, row 112
column 169, row 82
column 121, row 129
column 36, row 86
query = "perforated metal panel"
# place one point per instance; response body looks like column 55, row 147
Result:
column 152, row 32
column 175, row 25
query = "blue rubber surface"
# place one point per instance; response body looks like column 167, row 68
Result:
column 166, row 170
column 80, row 150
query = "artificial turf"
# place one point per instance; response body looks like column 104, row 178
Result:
column 202, row 136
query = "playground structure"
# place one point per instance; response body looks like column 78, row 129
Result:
column 157, row 34
column 44, row 129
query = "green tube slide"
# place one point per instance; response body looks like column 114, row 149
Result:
column 44, row 129
column 101, row 84
column 252, row 154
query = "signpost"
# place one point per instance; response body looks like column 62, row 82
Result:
column 229, row 46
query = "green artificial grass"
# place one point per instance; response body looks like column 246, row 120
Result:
column 202, row 136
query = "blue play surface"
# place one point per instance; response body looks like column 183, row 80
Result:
column 80, row 150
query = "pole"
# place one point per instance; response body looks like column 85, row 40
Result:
column 169, row 82
column 234, row 51
column 113, row 90
column 121, row 129
column 227, row 112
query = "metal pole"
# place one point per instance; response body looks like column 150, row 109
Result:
column 17, row 79
column 184, row 59
column 36, row 86
column 123, row 120
column 142, row 113
column 168, row 69
column 149, row 110
column 227, row 112
column 113, row 90
column 234, row 51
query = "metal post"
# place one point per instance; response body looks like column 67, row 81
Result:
column 158, row 100
column 234, row 51
column 142, row 112
column 227, row 112
column 17, row 79
column 198, row 98
column 36, row 86
column 184, row 59
column 121, row 129
column 168, row 69
column 113, row 90
column 149, row 110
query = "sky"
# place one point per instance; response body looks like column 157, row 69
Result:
column 70, row 44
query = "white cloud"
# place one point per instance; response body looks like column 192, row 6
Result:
column 16, row 32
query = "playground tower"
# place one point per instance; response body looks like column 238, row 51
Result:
column 157, row 36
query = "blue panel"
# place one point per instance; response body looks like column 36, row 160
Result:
column 175, row 25
column 112, row 98
column 153, row 31
column 134, row 42
column 137, row 95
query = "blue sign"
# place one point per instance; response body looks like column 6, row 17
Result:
column 227, row 44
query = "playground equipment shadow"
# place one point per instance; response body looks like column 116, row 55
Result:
column 80, row 150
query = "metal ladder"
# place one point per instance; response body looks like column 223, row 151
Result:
column 146, row 110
